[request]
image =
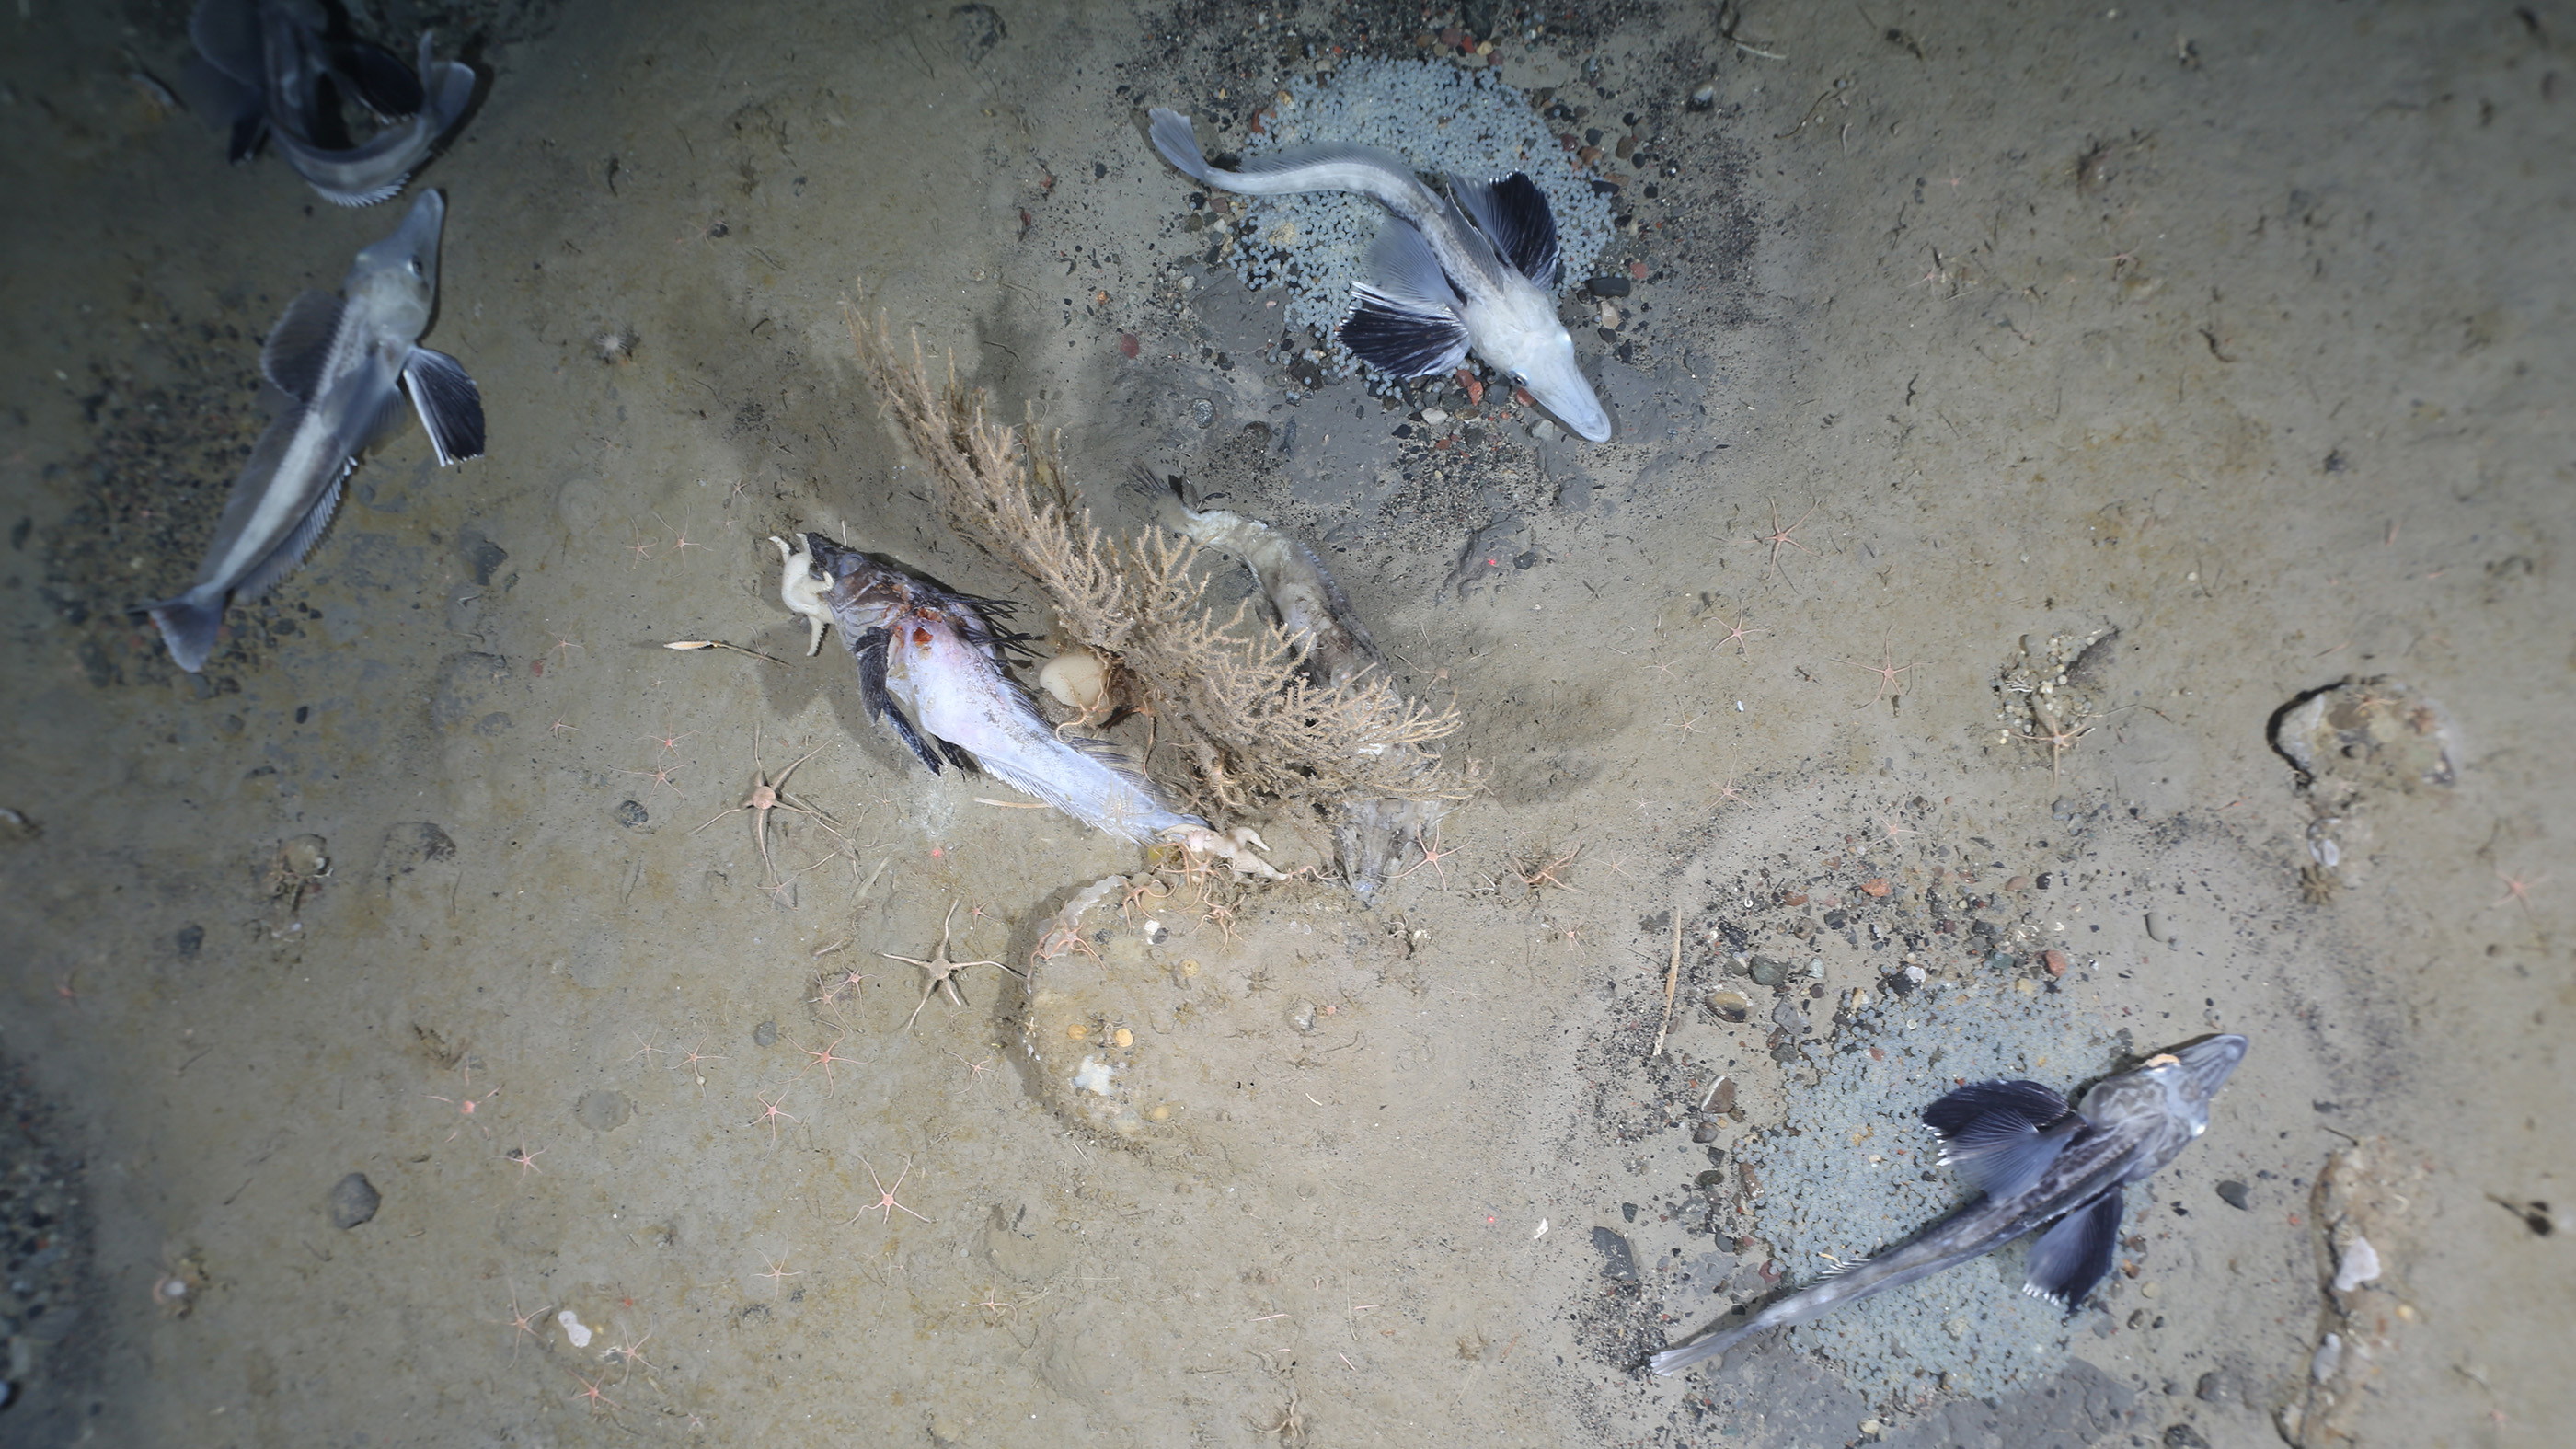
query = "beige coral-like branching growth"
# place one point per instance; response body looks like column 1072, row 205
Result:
column 1227, row 694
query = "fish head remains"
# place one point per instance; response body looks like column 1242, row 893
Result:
column 2169, row 1096
column 395, row 281
column 1516, row 330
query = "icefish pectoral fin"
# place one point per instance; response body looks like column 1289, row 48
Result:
column 299, row 345
column 1404, row 314
column 1999, row 1134
column 870, row 648
column 2071, row 1257
column 449, row 404
column 1514, row 215
column 957, row 755
column 1399, row 342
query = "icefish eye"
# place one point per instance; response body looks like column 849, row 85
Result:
column 1520, row 379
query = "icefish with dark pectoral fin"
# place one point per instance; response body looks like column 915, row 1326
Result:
column 1444, row 278
column 2035, row 1158
column 342, row 364
column 267, row 69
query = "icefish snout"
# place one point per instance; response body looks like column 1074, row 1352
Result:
column 2210, row 1061
column 1562, row 389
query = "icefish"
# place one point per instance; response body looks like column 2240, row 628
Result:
column 341, row 362
column 1444, row 277
column 2036, row 1158
column 262, row 68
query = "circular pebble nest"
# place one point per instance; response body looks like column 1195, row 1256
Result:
column 45, row 1238
column 1124, row 1037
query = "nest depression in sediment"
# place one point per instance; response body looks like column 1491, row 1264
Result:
column 1441, row 119
column 1853, row 1181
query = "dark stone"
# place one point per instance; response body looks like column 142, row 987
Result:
column 2184, row 1436
column 1709, row 1179
column 192, row 939
column 631, row 814
column 481, row 555
column 1628, row 1210
column 2232, row 1193
column 2220, row 1386
column 1704, row 1131
column 1767, row 972
column 354, row 1201
column 1722, row 1101
column 1612, row 286
column 1618, row 1260
column 1898, row 984
column 765, row 1034
column 1836, row 920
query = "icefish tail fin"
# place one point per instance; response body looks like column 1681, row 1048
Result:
column 1180, row 145
column 188, row 626
column 1674, row 1360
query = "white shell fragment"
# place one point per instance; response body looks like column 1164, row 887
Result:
column 2360, row 1264
column 2328, row 1357
column 574, row 1329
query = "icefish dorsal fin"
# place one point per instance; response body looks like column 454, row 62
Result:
column 2071, row 1257
column 1514, row 215
column 285, row 558
column 2001, row 1135
column 300, row 344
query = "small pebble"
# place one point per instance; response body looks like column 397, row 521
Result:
column 2057, row 967
column 2360, row 1264
column 2232, row 1193
column 631, row 814
column 1730, row 1005
column 765, row 1034
column 1873, row 887
column 354, row 1201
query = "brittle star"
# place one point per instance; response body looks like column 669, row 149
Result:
column 1780, row 538
column 941, row 970
column 1887, row 670
column 825, row 1059
column 777, row 1271
column 2059, row 740
column 1432, row 855
column 1737, row 634
column 2515, row 890
column 767, row 795
column 885, row 1194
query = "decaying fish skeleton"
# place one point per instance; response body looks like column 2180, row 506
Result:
column 2035, row 1159
column 1368, row 835
column 930, row 665
column 1445, row 277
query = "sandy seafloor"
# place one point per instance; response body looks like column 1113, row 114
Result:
column 2246, row 333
